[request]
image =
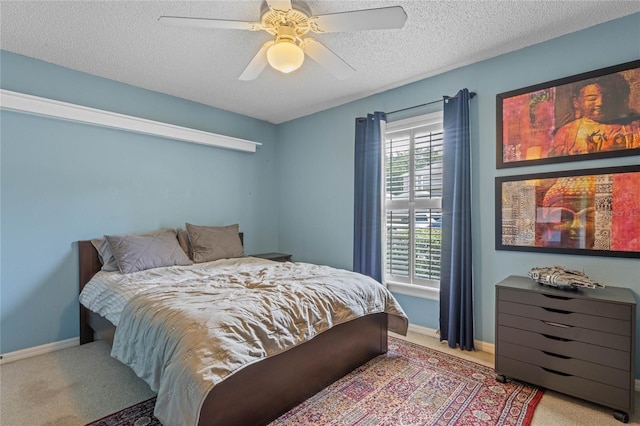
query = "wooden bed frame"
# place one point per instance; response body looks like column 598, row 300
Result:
column 267, row 389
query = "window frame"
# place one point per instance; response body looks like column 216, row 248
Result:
column 427, row 289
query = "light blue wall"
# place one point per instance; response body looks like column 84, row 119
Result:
column 316, row 165
column 62, row 182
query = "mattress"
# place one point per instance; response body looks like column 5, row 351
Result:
column 183, row 329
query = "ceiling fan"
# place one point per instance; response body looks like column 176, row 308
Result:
column 288, row 21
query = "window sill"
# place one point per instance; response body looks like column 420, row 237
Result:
column 414, row 290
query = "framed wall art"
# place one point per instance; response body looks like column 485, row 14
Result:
column 585, row 116
column 590, row 212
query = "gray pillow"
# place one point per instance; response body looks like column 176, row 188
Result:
column 183, row 240
column 214, row 242
column 137, row 252
column 105, row 255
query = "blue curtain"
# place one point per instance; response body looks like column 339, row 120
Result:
column 367, row 235
column 456, row 282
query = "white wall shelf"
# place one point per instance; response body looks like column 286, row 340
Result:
column 15, row 101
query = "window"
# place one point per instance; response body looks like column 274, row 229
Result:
column 413, row 202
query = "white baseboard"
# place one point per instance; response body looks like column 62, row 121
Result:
column 75, row 341
column 424, row 331
column 479, row 345
column 38, row 350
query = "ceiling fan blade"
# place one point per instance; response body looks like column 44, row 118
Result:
column 279, row 5
column 327, row 59
column 359, row 20
column 257, row 64
column 209, row 23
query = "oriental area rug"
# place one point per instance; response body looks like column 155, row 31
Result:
column 409, row 385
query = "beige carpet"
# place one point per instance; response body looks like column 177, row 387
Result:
column 81, row 384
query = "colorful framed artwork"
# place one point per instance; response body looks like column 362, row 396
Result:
column 590, row 212
column 585, row 116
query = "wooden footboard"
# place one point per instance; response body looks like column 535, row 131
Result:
column 263, row 391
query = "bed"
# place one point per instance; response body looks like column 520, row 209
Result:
column 264, row 390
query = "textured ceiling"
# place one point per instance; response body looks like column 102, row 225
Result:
column 123, row 41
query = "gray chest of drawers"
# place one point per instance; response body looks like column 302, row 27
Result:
column 581, row 342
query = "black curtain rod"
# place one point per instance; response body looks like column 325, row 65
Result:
column 471, row 95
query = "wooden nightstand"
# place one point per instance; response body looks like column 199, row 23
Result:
column 278, row 257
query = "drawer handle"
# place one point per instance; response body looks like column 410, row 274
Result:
column 556, row 297
column 557, row 324
column 556, row 338
column 556, row 355
column 548, row 370
column 557, row 311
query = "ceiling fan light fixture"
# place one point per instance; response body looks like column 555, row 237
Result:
column 289, row 21
column 285, row 56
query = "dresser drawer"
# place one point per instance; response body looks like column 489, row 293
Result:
column 567, row 303
column 580, row 342
column 569, row 348
column 600, row 338
column 599, row 393
column 609, row 325
column 567, row 365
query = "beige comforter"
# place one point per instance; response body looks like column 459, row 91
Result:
column 184, row 338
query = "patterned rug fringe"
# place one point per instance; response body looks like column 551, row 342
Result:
column 409, row 385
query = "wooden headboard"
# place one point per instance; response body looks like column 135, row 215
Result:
column 89, row 265
column 89, row 262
